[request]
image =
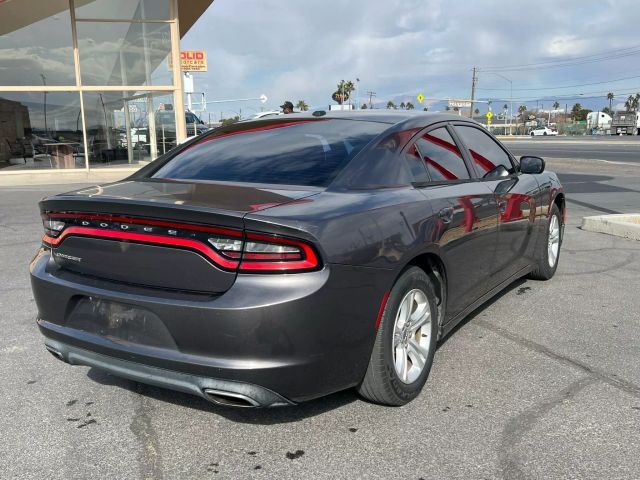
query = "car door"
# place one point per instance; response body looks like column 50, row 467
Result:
column 515, row 194
column 465, row 214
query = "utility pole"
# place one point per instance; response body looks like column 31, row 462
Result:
column 371, row 95
column 473, row 91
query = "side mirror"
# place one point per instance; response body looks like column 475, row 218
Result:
column 531, row 165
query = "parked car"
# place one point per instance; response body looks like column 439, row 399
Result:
column 543, row 131
column 269, row 114
column 271, row 262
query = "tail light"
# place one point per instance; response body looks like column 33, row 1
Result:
column 226, row 248
column 276, row 254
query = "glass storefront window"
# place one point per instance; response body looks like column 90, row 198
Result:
column 123, row 9
column 38, row 53
column 40, row 130
column 128, row 128
column 120, row 43
column 124, row 53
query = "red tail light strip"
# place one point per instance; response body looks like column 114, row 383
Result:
column 143, row 221
column 145, row 238
column 251, row 261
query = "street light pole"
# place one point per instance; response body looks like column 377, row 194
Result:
column 510, row 100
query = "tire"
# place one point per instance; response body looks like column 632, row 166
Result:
column 544, row 133
column 382, row 383
column 546, row 264
column 533, row 134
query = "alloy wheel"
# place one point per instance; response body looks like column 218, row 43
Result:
column 411, row 336
column 554, row 241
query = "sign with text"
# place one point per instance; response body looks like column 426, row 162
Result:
column 192, row 61
column 460, row 103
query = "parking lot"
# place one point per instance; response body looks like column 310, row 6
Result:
column 541, row 382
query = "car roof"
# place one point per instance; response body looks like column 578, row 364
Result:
column 407, row 118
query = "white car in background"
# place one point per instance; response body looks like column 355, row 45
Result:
column 543, row 131
column 259, row 115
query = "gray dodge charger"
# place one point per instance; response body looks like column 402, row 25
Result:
column 275, row 261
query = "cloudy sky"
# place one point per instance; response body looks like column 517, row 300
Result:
column 300, row 49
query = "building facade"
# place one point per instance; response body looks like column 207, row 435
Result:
column 90, row 84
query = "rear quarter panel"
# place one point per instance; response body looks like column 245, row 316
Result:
column 380, row 228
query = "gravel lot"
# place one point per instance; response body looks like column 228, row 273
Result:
column 542, row 382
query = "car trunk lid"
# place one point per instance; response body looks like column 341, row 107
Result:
column 157, row 234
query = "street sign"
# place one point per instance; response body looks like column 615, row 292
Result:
column 420, row 97
column 489, row 116
column 460, row 103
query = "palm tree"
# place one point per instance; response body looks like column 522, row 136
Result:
column 343, row 91
column 447, row 108
column 364, row 106
column 409, row 106
column 476, row 111
column 556, row 105
column 610, row 97
column 576, row 112
column 302, row 106
column 505, row 107
column 425, row 109
column 629, row 103
column 522, row 109
column 402, row 105
column 391, row 105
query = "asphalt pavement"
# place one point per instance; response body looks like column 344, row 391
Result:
column 541, row 382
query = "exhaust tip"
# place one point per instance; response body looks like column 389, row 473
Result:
column 229, row 399
column 55, row 353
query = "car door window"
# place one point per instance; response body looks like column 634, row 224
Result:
column 441, row 156
column 489, row 159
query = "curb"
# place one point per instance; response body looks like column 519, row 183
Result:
column 620, row 225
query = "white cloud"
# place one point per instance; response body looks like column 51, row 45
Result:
column 300, row 49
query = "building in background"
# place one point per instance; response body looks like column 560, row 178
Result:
column 89, row 84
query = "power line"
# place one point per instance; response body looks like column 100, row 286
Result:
column 564, row 86
column 634, row 50
column 599, row 93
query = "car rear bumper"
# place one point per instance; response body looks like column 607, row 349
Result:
column 222, row 392
column 297, row 336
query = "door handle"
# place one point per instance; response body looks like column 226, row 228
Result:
column 446, row 214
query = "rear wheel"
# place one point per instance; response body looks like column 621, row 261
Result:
column 405, row 343
column 549, row 250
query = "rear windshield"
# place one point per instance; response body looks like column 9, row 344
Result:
column 293, row 152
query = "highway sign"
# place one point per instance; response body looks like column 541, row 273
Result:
column 489, row 115
column 420, row 97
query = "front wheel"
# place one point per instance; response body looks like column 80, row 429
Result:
column 548, row 252
column 405, row 343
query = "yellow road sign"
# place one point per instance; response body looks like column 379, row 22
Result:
column 420, row 98
column 489, row 115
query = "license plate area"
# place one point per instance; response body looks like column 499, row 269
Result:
column 119, row 322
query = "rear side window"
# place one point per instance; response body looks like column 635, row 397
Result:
column 292, row 152
column 442, row 156
column 489, row 159
column 415, row 165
